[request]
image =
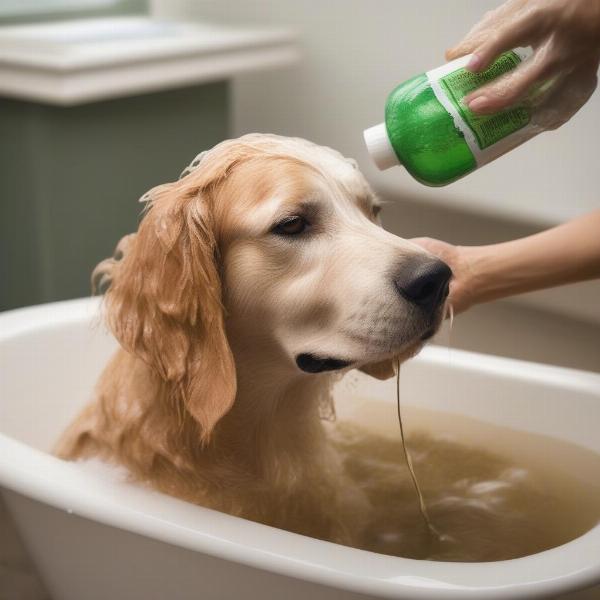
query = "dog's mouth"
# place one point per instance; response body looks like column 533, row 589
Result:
column 309, row 363
column 313, row 363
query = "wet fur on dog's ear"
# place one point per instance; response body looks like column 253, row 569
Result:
column 163, row 302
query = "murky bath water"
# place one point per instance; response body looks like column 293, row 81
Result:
column 492, row 492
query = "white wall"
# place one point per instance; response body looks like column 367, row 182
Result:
column 356, row 52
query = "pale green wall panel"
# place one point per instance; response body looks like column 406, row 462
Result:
column 70, row 179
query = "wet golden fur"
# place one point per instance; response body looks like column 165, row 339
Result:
column 203, row 400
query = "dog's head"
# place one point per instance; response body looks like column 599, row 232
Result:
column 275, row 242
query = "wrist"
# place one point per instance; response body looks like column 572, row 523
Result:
column 483, row 279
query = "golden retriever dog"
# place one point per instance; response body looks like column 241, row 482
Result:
column 252, row 283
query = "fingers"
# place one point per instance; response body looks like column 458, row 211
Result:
column 438, row 248
column 515, row 85
column 492, row 22
column 568, row 97
column 495, row 43
column 421, row 241
column 428, row 244
column 474, row 38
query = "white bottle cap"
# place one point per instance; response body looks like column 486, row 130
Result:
column 379, row 147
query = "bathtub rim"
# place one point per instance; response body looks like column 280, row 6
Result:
column 558, row 570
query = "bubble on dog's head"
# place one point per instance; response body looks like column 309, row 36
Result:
column 147, row 197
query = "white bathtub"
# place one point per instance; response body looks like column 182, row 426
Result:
column 93, row 537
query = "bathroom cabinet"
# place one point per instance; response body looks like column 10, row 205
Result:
column 71, row 177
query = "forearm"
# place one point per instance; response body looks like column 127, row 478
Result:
column 564, row 254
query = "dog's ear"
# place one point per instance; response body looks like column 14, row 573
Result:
column 164, row 301
column 380, row 370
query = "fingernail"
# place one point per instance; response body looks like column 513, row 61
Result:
column 474, row 63
column 478, row 104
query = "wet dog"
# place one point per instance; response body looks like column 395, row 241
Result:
column 252, row 283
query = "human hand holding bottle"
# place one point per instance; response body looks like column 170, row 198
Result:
column 558, row 78
column 561, row 74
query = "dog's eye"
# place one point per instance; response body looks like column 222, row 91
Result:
column 376, row 209
column 291, row 226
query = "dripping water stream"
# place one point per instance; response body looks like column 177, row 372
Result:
column 434, row 534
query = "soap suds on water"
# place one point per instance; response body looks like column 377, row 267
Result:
column 485, row 504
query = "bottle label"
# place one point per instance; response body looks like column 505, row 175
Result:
column 488, row 136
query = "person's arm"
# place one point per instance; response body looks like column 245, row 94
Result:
column 561, row 73
column 564, row 254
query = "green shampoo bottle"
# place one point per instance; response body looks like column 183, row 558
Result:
column 430, row 131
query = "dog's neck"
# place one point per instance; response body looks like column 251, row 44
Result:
column 274, row 425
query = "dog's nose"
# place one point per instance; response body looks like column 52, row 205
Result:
column 425, row 283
